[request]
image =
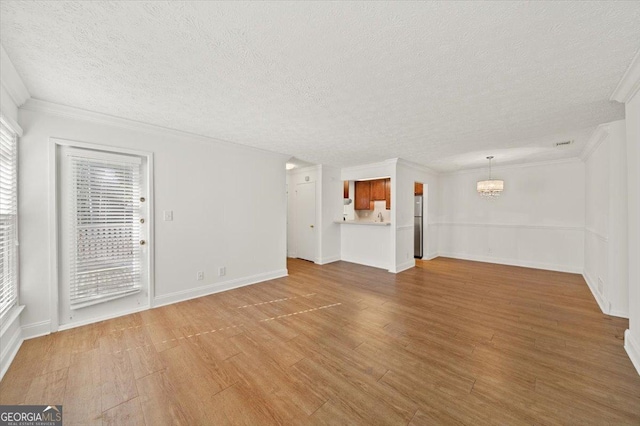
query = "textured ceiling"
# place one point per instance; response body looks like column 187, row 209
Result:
column 341, row 83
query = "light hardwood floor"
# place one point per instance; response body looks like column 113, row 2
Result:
column 448, row 342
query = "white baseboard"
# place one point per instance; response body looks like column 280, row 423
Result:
column 404, row 266
column 619, row 314
column 36, row 329
column 10, row 350
column 430, row 256
column 102, row 318
column 325, row 260
column 602, row 302
column 633, row 349
column 181, row 296
column 514, row 262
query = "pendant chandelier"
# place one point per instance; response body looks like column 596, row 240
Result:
column 490, row 187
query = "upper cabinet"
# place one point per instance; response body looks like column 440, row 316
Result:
column 418, row 188
column 345, row 189
column 368, row 191
column 377, row 190
column 362, row 195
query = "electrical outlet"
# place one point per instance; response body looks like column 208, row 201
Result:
column 222, row 271
column 200, row 276
column 168, row 215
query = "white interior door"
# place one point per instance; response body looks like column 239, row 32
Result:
column 305, row 219
column 102, row 233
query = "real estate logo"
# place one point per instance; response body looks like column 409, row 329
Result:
column 30, row 415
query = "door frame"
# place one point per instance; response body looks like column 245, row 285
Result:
column 297, row 223
column 54, row 146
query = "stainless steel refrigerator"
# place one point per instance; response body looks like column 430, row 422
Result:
column 417, row 227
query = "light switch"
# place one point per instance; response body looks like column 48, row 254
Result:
column 168, row 215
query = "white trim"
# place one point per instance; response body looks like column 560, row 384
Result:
column 598, row 235
column 599, row 135
column 508, row 225
column 306, row 169
column 13, row 125
column 103, row 318
column 405, row 227
column 514, row 166
column 629, row 84
column 37, row 105
column 205, row 290
column 404, row 266
column 633, row 349
column 386, row 167
column 10, row 350
column 430, row 256
column 54, row 143
column 326, row 260
column 11, row 81
column 417, row 167
column 366, row 262
column 513, row 262
column 36, row 329
column 600, row 299
column 619, row 314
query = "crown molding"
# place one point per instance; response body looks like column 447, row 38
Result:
column 417, row 167
column 570, row 160
column 11, row 80
column 599, row 135
column 45, row 107
column 368, row 170
column 305, row 169
column 12, row 124
column 629, row 84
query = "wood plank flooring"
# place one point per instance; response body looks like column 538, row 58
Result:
column 448, row 342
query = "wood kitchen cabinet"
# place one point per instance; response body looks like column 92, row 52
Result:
column 378, row 190
column 387, row 193
column 418, row 188
column 345, row 189
column 363, row 195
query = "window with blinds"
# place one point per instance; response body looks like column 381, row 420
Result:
column 105, row 248
column 8, row 219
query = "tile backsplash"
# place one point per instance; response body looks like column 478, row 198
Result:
column 372, row 215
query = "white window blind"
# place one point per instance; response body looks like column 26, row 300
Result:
column 105, row 252
column 8, row 218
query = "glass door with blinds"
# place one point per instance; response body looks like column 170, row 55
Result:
column 102, row 234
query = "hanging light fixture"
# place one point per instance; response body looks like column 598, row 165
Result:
column 490, row 187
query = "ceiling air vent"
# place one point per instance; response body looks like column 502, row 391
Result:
column 562, row 144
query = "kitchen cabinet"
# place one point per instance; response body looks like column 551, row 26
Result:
column 387, row 193
column 417, row 188
column 363, row 195
column 345, row 189
column 378, row 190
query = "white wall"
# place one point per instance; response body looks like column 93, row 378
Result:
column 537, row 222
column 331, row 211
column 632, row 336
column 407, row 174
column 605, row 266
column 228, row 203
column 371, row 245
column 7, row 105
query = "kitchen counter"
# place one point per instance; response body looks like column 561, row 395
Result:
column 362, row 222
